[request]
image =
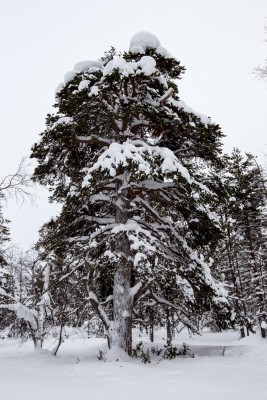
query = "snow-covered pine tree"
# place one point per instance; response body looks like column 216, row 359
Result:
column 4, row 274
column 241, row 255
column 121, row 154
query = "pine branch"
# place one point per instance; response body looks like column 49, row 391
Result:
column 184, row 319
column 99, row 309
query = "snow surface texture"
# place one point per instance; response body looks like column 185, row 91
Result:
column 224, row 368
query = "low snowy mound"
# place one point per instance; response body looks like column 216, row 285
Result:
column 146, row 40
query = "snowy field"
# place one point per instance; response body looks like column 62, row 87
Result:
column 76, row 373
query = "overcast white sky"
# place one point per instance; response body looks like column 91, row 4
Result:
column 219, row 42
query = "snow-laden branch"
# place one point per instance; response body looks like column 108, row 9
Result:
column 23, row 312
column 184, row 320
column 99, row 309
column 93, row 139
column 138, row 291
column 151, row 185
column 152, row 211
column 142, row 155
column 181, row 104
column 4, row 293
column 108, row 299
column 100, row 221
column 99, row 198
column 166, row 95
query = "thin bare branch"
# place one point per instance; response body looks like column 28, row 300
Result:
column 19, row 184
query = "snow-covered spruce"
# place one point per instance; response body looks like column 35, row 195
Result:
column 128, row 160
column 241, row 254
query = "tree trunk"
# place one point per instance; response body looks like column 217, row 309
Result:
column 168, row 326
column 120, row 331
column 60, row 340
column 242, row 332
column 151, row 324
column 151, row 332
column 38, row 343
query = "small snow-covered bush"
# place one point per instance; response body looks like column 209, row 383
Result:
column 169, row 352
column 140, row 352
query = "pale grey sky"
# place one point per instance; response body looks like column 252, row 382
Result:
column 218, row 41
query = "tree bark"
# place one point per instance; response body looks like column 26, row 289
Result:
column 120, row 331
column 242, row 332
column 168, row 326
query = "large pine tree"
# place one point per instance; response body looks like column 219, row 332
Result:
column 123, row 155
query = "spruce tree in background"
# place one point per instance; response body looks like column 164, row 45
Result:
column 4, row 274
column 127, row 158
column 241, row 256
column 4, row 237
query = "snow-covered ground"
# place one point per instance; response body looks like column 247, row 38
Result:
column 76, row 373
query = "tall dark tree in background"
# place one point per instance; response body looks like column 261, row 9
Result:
column 241, row 256
column 4, row 237
column 121, row 154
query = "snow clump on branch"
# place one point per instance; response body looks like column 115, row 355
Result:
column 139, row 153
column 142, row 41
column 147, row 66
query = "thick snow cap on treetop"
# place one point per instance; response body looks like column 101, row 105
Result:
column 139, row 43
column 146, row 40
